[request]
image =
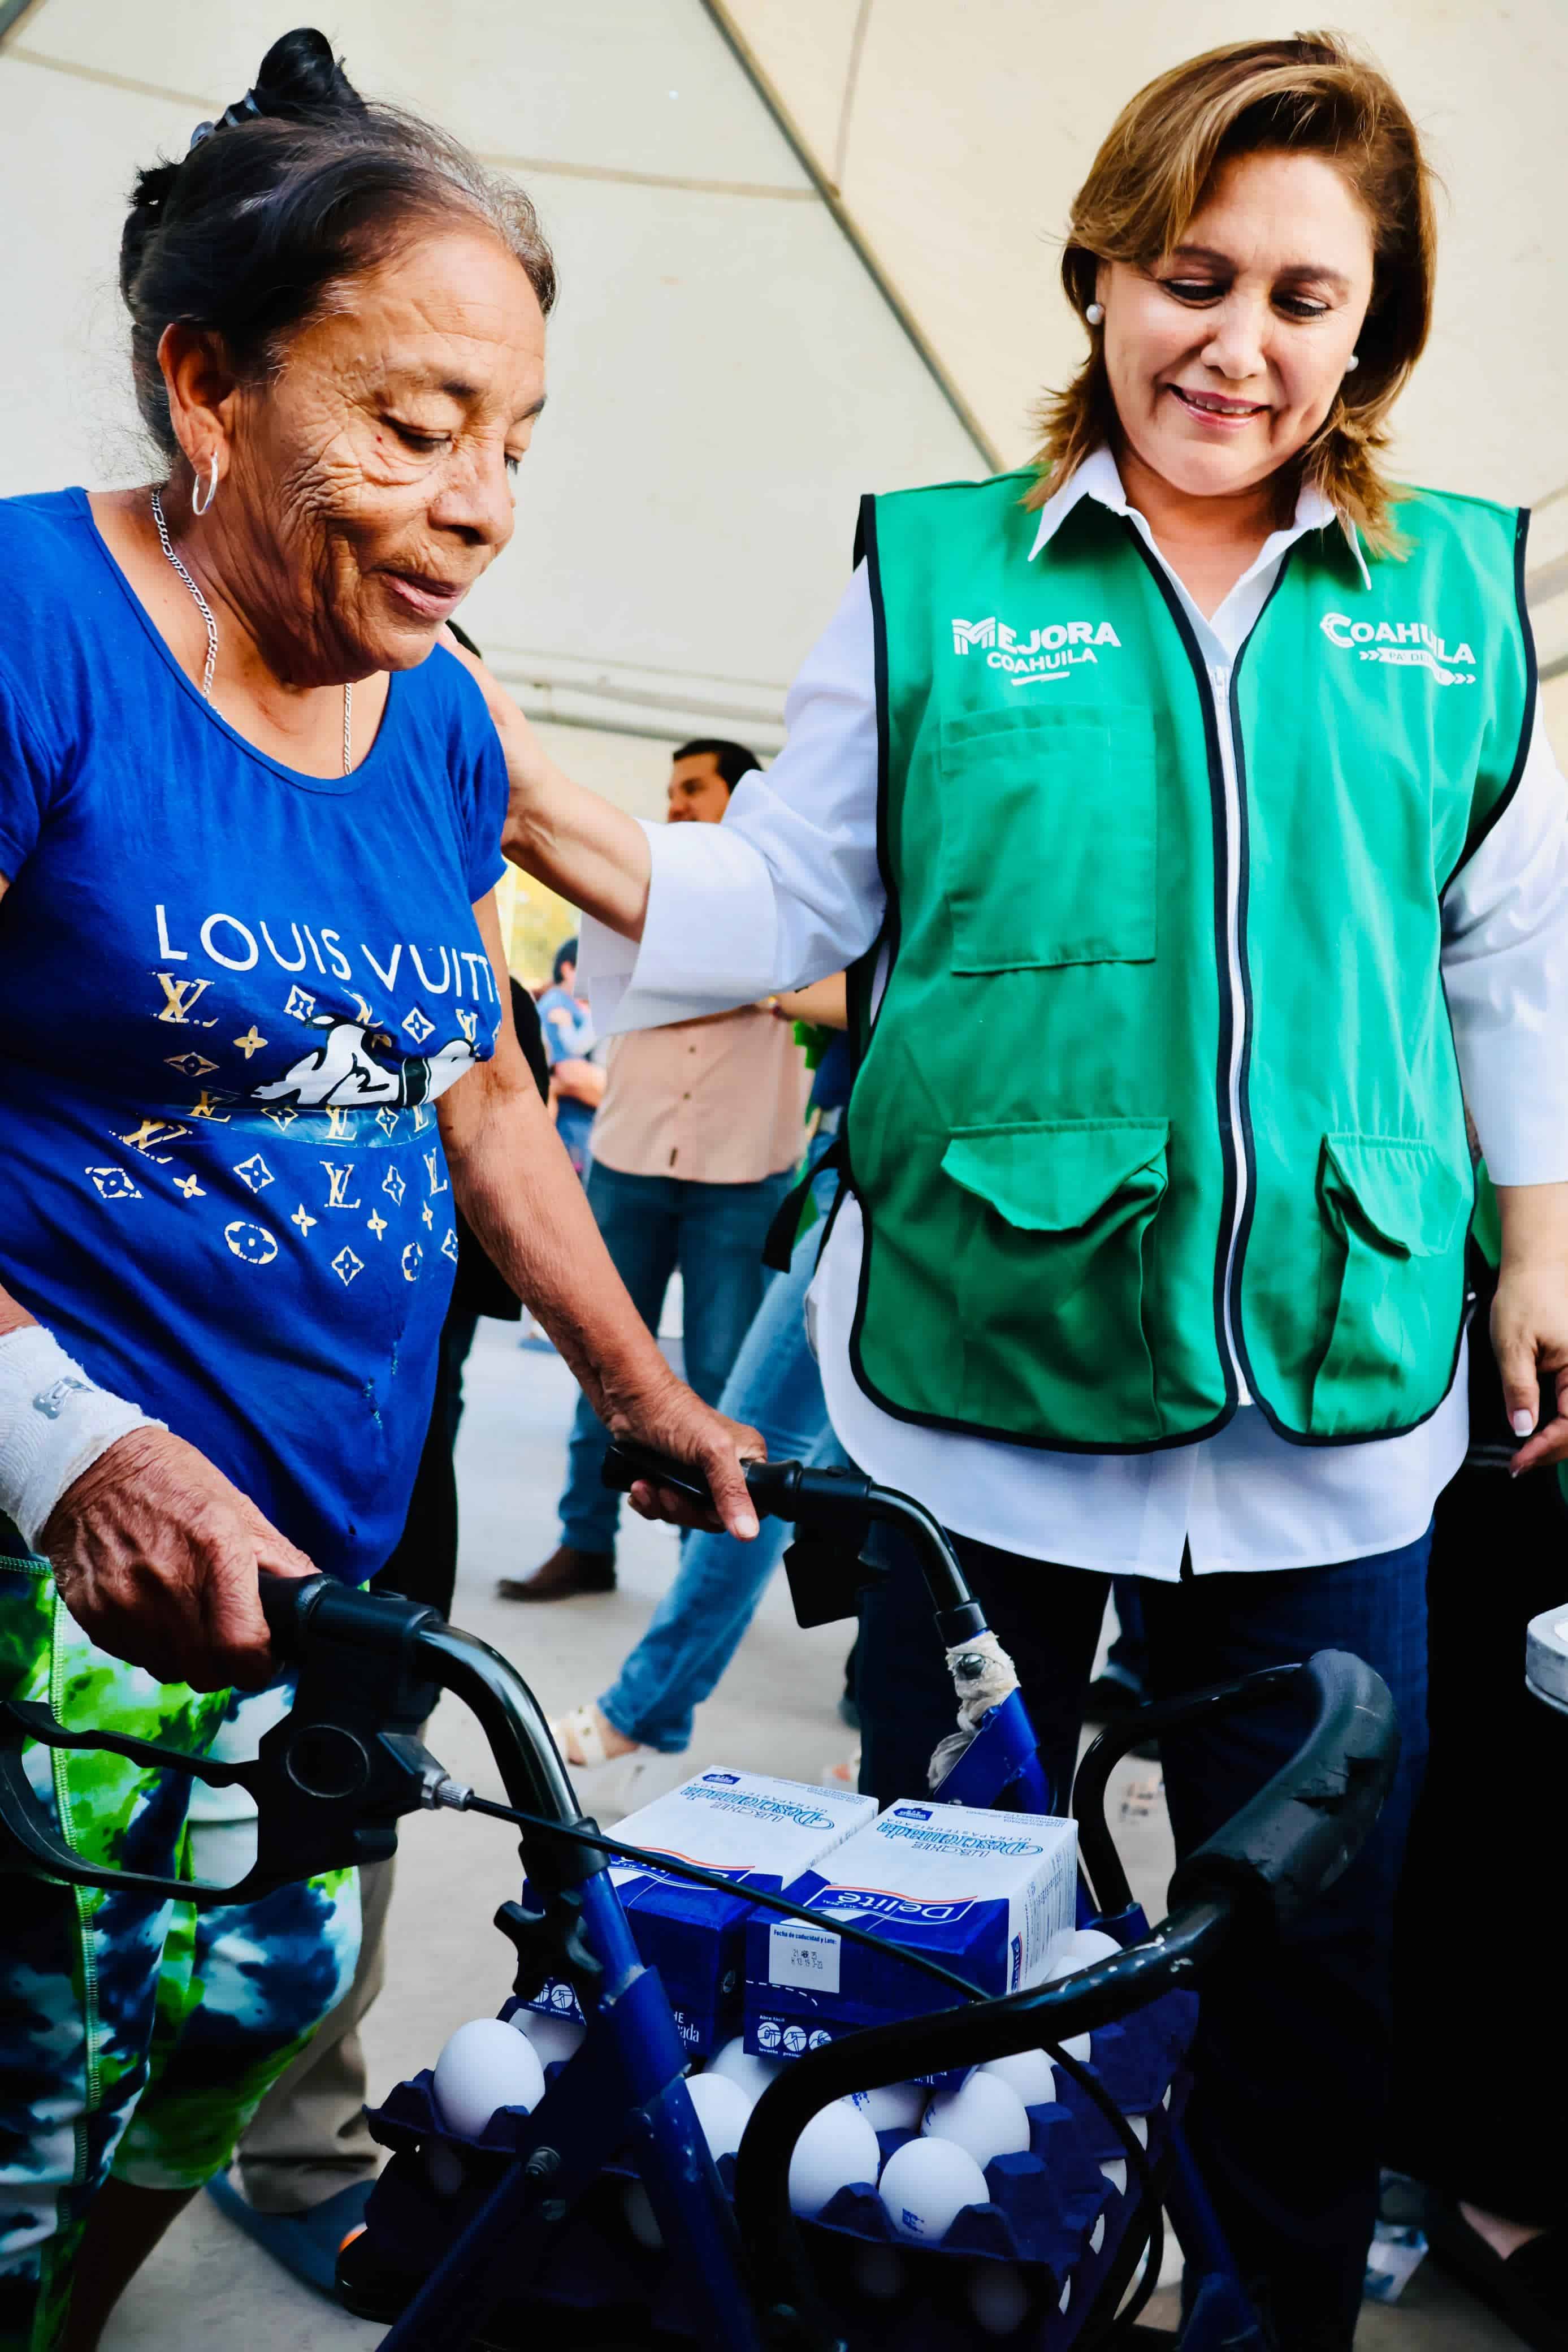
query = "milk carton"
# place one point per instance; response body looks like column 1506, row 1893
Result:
column 754, row 1831
column 982, row 1893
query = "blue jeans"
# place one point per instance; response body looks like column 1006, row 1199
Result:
column 1291, row 2059
column 651, row 1224
column 699, row 1625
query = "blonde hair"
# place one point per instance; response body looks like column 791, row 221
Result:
column 1309, row 95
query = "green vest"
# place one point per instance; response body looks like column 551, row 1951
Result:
column 1086, row 1142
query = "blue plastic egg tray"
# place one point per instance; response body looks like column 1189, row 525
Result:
column 1043, row 2217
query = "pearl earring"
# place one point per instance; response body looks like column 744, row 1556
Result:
column 1353, row 362
column 1095, row 313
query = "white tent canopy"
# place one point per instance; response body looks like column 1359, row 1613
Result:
column 726, row 375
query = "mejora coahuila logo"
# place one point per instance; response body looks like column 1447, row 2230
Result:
column 1044, row 654
column 1405, row 645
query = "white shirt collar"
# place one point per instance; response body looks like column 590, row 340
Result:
column 1098, row 477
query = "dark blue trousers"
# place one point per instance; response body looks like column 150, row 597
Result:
column 1288, row 2111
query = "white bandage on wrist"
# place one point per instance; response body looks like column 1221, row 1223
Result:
column 54, row 1424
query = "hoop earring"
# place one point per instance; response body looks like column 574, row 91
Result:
column 1096, row 314
column 199, row 504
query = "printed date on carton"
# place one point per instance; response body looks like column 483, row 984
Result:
column 799, row 1954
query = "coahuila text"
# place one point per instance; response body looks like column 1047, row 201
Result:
column 1045, row 653
column 1405, row 645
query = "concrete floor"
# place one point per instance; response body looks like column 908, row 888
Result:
column 207, row 2286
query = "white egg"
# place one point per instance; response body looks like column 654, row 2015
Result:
column 723, row 2110
column 925, row 2184
column 1097, row 2235
column 741, row 2067
column 878, row 2271
column 896, row 2106
column 1030, row 2072
column 983, row 2116
column 1116, row 2171
column 837, row 2148
column 1090, row 1944
column 640, row 2217
column 1066, row 2294
column 1139, row 2127
column 554, row 2038
column 999, row 2298
column 1077, row 2045
column 485, row 2065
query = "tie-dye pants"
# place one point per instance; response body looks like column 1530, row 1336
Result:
column 136, row 2037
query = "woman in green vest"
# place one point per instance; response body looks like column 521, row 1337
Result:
column 1182, row 808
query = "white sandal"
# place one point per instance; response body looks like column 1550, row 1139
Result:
column 613, row 1785
column 580, row 1731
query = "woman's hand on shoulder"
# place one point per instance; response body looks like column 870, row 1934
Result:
column 675, row 1421
column 157, row 1554
column 567, row 837
column 529, row 770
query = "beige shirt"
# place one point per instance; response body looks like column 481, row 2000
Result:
column 717, row 1101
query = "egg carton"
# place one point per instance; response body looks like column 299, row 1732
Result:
column 1051, row 2218
column 1025, row 2268
column 1133, row 2059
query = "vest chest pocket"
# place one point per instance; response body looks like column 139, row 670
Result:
column 1048, row 837
column 1391, row 1290
column 1050, row 1275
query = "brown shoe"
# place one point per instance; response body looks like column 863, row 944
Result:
column 564, row 1574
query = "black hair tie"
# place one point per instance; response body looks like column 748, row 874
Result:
column 245, row 110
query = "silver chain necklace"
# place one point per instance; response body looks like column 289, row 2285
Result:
column 206, row 611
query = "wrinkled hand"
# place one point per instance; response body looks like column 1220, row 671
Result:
column 1529, row 1338
column 677, row 1423
column 156, row 1555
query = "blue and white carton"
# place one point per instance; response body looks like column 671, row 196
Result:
column 985, row 1894
column 754, row 1831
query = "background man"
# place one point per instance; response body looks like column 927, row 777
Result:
column 576, row 1085
column 695, row 1145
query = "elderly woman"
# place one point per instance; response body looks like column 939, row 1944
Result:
column 1183, row 808
column 256, row 1048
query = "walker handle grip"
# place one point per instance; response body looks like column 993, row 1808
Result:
column 288, row 1603
column 627, row 1464
column 1279, row 1853
column 781, row 1490
column 837, row 1502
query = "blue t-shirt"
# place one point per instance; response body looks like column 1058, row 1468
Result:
column 229, row 995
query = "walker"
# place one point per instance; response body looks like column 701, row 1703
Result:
column 529, row 2237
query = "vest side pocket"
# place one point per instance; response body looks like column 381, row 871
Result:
column 1048, row 848
column 1391, row 1282
column 1049, row 1275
